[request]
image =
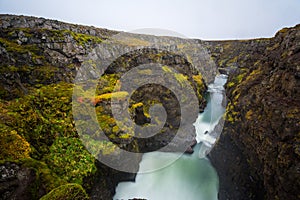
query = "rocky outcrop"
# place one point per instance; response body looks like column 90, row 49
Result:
column 257, row 156
column 39, row 62
column 35, row 51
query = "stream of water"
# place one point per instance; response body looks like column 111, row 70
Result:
column 190, row 177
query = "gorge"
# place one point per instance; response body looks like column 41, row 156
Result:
column 256, row 156
column 187, row 176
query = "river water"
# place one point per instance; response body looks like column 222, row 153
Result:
column 191, row 177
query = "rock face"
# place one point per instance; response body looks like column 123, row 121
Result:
column 257, row 156
column 15, row 181
column 37, row 51
column 39, row 62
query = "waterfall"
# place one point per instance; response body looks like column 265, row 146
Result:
column 189, row 177
column 209, row 124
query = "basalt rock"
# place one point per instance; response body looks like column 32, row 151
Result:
column 16, row 181
column 40, row 59
column 257, row 155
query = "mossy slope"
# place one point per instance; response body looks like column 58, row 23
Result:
column 39, row 60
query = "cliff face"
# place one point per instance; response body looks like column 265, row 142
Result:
column 257, row 156
column 36, row 51
column 39, row 61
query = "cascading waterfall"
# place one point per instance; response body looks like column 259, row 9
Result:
column 211, row 119
column 189, row 177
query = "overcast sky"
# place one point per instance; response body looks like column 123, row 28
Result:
column 203, row 19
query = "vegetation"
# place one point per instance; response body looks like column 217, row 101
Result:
column 13, row 146
column 37, row 128
column 67, row 192
column 69, row 159
column 43, row 116
column 109, row 96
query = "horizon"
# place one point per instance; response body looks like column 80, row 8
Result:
column 213, row 20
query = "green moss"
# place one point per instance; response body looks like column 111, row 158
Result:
column 69, row 159
column 236, row 97
column 237, row 79
column 9, row 68
column 12, row 32
column 181, row 78
column 114, row 95
column 230, row 84
column 125, row 136
column 167, row 69
column 272, row 48
column 240, row 77
column 254, row 74
column 12, row 145
column 97, row 147
column 137, row 105
column 60, row 35
column 199, row 80
column 284, row 30
column 107, row 84
column 109, row 125
column 44, row 115
column 233, row 60
column 200, row 86
column 231, row 115
column 108, row 87
column 106, row 122
column 67, row 192
column 229, row 118
column 14, row 47
column 84, row 39
column 17, row 50
column 147, row 105
column 43, row 74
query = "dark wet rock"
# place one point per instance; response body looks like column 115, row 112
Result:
column 16, row 181
column 257, row 155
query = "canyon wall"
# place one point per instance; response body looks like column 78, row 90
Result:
column 257, row 155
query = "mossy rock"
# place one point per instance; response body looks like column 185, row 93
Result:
column 98, row 147
column 69, row 159
column 117, row 96
column 39, row 181
column 43, row 115
column 46, row 178
column 13, row 146
column 67, row 192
